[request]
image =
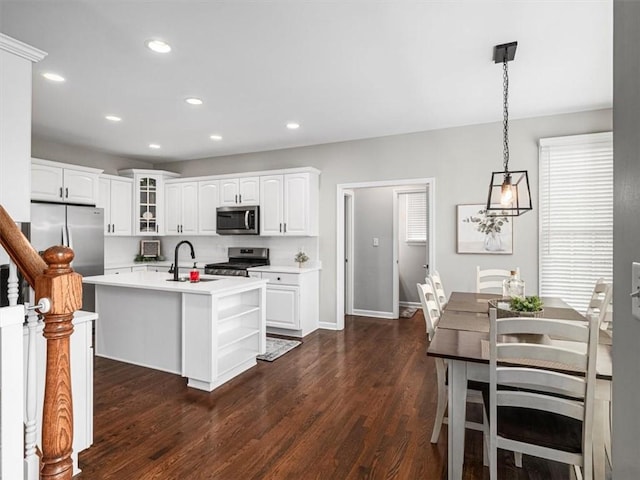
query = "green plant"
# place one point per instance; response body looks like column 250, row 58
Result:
column 301, row 257
column 526, row 304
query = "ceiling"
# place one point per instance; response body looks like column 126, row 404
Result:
column 343, row 70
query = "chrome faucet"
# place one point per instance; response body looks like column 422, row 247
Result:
column 175, row 258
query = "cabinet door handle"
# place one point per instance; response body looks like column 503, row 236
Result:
column 61, row 193
column 285, row 227
column 156, row 228
column 108, row 228
column 113, row 228
column 280, row 228
column 240, row 198
column 66, row 192
column 236, row 198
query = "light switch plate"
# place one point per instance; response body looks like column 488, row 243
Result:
column 635, row 286
column 376, row 241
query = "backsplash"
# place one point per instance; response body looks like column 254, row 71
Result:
column 119, row 250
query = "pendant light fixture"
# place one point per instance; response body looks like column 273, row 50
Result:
column 509, row 192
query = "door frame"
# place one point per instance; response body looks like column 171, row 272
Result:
column 349, row 200
column 341, row 191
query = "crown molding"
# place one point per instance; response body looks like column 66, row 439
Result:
column 20, row 49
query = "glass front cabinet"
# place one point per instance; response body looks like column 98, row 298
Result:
column 149, row 199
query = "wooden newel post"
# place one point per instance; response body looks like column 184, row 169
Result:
column 63, row 287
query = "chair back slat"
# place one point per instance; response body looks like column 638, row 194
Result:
column 535, row 378
column 548, row 356
column 536, row 401
column 490, row 280
column 553, row 328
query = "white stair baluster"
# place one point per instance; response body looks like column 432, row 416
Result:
column 31, row 461
column 12, row 285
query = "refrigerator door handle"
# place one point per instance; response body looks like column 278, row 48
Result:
column 70, row 238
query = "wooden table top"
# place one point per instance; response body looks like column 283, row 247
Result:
column 464, row 325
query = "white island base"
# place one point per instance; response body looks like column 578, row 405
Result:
column 208, row 332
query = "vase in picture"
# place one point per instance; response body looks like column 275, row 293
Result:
column 493, row 242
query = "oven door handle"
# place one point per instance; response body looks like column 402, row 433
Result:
column 246, row 219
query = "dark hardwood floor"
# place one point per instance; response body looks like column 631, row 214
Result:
column 344, row 405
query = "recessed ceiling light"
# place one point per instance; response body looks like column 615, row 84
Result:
column 155, row 146
column 193, row 101
column 293, row 125
column 112, row 118
column 217, row 138
column 54, row 77
column 159, row 46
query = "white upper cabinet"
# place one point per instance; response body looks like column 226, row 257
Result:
column 148, row 211
column 63, row 183
column 240, row 191
column 289, row 204
column 181, row 207
column 208, row 201
column 115, row 195
column 16, row 59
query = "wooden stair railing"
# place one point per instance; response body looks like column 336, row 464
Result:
column 52, row 278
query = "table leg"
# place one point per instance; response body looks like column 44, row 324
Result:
column 457, row 417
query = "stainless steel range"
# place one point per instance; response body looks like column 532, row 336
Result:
column 240, row 258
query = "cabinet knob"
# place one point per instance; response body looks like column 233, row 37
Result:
column 278, row 278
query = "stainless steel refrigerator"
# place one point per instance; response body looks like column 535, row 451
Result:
column 79, row 227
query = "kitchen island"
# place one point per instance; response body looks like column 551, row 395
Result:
column 208, row 331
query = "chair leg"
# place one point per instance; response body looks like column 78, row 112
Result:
column 485, row 439
column 517, row 456
column 442, row 400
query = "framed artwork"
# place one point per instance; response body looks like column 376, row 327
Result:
column 481, row 233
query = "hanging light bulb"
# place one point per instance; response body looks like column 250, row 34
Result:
column 507, row 197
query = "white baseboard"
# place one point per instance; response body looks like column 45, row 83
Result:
column 374, row 313
column 410, row 304
column 328, row 326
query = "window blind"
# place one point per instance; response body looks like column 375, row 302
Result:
column 417, row 217
column 576, row 216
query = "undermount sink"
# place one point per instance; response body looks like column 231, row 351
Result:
column 185, row 279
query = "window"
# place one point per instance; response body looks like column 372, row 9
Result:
column 416, row 217
column 576, row 216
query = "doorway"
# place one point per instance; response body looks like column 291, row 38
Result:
column 346, row 264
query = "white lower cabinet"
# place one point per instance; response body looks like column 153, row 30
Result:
column 292, row 299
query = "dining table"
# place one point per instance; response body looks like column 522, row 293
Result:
column 462, row 338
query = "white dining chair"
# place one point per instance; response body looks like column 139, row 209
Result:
column 436, row 282
column 490, row 280
column 538, row 410
column 474, row 394
column 430, row 307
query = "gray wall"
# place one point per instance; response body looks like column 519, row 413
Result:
column 460, row 159
column 411, row 258
column 626, row 243
column 373, row 266
column 52, row 150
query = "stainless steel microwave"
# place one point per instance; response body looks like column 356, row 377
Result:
column 238, row 220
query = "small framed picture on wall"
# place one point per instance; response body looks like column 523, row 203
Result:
column 478, row 232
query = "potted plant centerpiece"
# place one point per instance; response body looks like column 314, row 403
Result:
column 518, row 307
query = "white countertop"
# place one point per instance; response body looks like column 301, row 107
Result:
column 158, row 281
column 284, row 269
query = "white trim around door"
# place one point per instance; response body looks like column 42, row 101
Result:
column 347, row 189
